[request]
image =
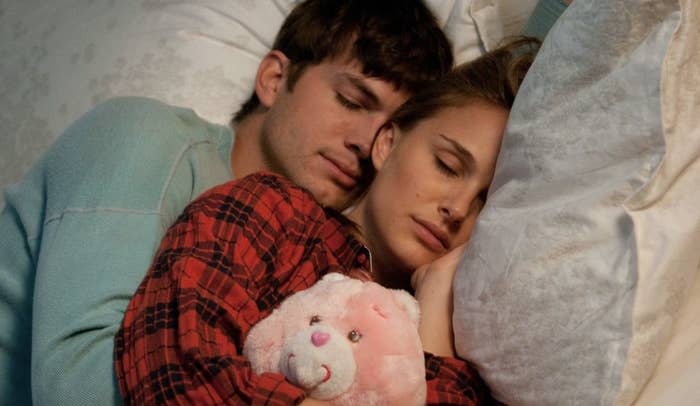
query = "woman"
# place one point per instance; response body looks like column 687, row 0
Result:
column 242, row 247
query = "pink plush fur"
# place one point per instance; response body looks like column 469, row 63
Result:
column 384, row 367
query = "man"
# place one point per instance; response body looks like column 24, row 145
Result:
column 78, row 233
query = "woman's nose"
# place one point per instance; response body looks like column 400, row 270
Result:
column 454, row 208
column 452, row 213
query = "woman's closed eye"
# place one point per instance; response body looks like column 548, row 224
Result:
column 347, row 103
column 446, row 167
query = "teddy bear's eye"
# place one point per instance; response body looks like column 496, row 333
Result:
column 314, row 320
column 354, row 336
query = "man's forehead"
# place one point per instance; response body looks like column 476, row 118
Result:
column 363, row 84
column 349, row 64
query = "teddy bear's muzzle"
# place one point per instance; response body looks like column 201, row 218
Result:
column 320, row 360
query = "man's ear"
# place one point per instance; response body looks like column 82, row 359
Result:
column 384, row 142
column 271, row 76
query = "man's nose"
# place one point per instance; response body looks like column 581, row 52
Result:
column 360, row 146
column 360, row 143
column 362, row 137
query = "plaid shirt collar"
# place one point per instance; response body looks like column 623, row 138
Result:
column 344, row 245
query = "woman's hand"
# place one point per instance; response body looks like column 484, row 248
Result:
column 432, row 284
column 439, row 272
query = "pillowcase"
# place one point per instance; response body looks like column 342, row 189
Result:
column 62, row 58
column 586, row 248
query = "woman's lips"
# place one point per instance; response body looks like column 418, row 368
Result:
column 431, row 235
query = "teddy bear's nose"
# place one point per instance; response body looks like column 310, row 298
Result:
column 319, row 338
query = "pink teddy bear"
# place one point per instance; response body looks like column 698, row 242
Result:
column 344, row 341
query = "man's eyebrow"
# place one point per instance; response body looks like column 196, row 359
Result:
column 362, row 87
column 462, row 152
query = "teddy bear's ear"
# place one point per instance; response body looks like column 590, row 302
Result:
column 408, row 304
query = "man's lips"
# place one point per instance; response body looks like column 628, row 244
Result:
column 342, row 173
column 432, row 235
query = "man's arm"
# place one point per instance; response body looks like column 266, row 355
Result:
column 102, row 192
column 77, row 313
column 16, row 280
column 180, row 342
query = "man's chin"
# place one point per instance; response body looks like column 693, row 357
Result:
column 333, row 196
column 336, row 203
column 325, row 198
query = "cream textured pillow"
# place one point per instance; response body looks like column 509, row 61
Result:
column 675, row 379
column 588, row 244
column 673, row 200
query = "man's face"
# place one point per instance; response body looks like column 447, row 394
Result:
column 319, row 134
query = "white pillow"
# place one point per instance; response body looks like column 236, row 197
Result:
column 589, row 241
column 476, row 26
column 60, row 58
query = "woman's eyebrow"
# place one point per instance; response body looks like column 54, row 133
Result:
column 462, row 152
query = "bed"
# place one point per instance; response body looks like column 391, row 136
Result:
column 556, row 331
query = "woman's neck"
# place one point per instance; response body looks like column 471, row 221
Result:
column 385, row 271
column 356, row 215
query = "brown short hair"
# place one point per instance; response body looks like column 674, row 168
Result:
column 395, row 40
column 492, row 78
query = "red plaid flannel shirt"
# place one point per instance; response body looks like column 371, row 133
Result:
column 233, row 255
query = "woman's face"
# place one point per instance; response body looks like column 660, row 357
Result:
column 430, row 185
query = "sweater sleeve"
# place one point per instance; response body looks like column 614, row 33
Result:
column 453, row 381
column 16, row 278
column 98, row 222
column 79, row 300
column 216, row 274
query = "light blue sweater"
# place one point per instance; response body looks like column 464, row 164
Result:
column 77, row 236
column 543, row 17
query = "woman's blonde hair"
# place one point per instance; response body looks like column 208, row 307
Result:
column 492, row 78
